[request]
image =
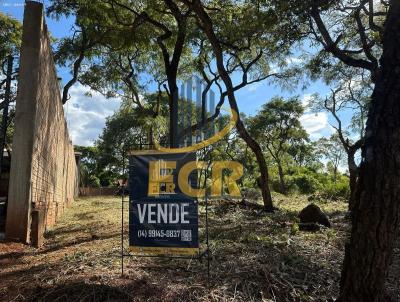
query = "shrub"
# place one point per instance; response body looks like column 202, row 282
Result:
column 93, row 181
column 305, row 183
column 251, row 193
column 336, row 190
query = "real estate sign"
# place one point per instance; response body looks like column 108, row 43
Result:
column 162, row 220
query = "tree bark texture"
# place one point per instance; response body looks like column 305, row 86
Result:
column 376, row 208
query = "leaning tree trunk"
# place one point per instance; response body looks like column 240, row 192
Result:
column 255, row 147
column 377, row 201
column 207, row 27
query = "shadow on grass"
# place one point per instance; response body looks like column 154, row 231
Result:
column 64, row 231
column 85, row 215
column 78, row 241
column 13, row 256
column 80, row 291
column 79, row 288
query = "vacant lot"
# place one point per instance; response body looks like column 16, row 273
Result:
column 255, row 256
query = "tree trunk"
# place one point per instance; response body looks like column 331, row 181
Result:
column 173, row 115
column 7, row 98
column 282, row 185
column 376, row 208
column 353, row 175
column 335, row 168
column 254, row 146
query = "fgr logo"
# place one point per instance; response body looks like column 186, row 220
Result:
column 161, row 178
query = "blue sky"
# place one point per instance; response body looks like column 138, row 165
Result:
column 86, row 115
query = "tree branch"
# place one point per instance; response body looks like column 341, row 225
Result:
column 332, row 46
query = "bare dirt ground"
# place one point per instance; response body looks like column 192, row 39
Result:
column 255, row 257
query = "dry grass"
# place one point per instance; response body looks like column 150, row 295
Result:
column 255, row 257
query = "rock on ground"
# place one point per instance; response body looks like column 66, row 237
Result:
column 312, row 214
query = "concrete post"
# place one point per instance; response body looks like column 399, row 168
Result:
column 19, row 198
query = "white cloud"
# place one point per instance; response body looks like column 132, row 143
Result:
column 305, row 101
column 293, row 60
column 316, row 124
column 86, row 115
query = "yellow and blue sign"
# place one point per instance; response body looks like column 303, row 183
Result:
column 163, row 185
column 162, row 219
